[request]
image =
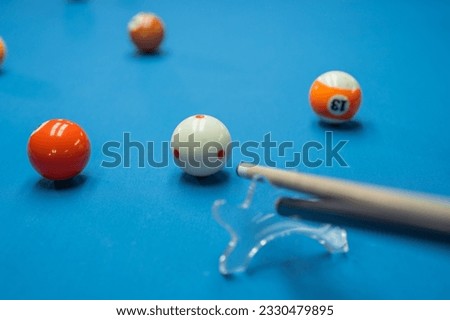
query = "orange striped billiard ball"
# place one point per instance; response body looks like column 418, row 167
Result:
column 335, row 96
column 146, row 31
column 2, row 51
column 59, row 149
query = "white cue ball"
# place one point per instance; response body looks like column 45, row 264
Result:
column 199, row 144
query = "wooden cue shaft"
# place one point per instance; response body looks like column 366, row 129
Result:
column 361, row 199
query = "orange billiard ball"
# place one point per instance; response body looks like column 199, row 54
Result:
column 146, row 31
column 2, row 51
column 59, row 149
column 335, row 96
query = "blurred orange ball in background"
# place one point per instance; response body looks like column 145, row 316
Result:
column 146, row 31
column 2, row 51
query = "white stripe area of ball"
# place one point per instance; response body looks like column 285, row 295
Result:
column 140, row 19
column 199, row 144
column 339, row 79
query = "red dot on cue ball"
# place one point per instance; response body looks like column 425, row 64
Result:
column 59, row 149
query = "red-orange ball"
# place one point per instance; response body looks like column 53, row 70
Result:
column 2, row 51
column 146, row 31
column 59, row 149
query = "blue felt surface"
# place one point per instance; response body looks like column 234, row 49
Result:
column 145, row 233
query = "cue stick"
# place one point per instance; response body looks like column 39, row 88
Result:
column 358, row 200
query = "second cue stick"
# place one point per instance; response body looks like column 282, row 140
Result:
column 355, row 199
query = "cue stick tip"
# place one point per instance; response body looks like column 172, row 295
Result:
column 242, row 169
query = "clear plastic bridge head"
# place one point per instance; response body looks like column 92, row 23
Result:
column 254, row 223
